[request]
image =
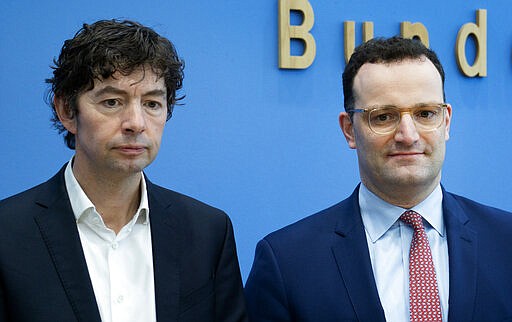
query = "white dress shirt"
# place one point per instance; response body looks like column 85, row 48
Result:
column 389, row 242
column 120, row 266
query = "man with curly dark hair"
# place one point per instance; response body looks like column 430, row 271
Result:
column 99, row 241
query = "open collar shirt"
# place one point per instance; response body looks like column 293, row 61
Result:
column 120, row 266
column 389, row 242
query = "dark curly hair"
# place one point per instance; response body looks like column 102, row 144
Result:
column 99, row 50
column 384, row 50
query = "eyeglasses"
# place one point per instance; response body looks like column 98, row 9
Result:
column 385, row 119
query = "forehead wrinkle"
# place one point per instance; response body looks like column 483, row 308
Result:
column 109, row 90
column 131, row 85
column 155, row 92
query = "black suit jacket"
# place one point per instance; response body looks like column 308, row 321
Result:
column 319, row 269
column 44, row 276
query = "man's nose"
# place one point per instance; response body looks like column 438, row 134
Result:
column 406, row 131
column 134, row 120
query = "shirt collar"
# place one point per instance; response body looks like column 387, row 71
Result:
column 378, row 215
column 81, row 204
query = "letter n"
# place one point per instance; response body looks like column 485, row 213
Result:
column 415, row 30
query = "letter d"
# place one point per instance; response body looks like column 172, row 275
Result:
column 479, row 30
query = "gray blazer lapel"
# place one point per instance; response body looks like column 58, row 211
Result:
column 350, row 250
column 58, row 229
column 167, row 241
column 462, row 250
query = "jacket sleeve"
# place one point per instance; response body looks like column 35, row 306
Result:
column 264, row 290
column 3, row 313
column 229, row 296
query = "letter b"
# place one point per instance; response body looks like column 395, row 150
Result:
column 288, row 32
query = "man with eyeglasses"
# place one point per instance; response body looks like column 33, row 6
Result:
column 400, row 248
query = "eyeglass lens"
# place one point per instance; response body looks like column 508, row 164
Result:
column 385, row 120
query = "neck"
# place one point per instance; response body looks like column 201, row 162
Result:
column 116, row 198
column 404, row 197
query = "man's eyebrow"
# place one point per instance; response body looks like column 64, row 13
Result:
column 114, row 90
column 155, row 92
column 109, row 90
column 421, row 104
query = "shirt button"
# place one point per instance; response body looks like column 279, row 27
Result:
column 120, row 299
column 115, row 245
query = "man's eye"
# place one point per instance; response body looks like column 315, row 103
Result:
column 383, row 116
column 426, row 114
column 110, row 103
column 153, row 105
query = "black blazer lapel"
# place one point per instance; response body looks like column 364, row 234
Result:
column 350, row 250
column 166, row 242
column 58, row 229
column 462, row 250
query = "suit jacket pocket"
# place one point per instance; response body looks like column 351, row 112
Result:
column 198, row 296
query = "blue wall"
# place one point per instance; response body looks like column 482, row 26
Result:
column 259, row 142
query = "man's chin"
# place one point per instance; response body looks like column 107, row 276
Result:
column 130, row 167
column 410, row 177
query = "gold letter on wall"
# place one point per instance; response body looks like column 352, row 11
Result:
column 417, row 29
column 288, row 32
column 479, row 31
column 349, row 33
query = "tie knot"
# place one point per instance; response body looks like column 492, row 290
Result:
column 413, row 219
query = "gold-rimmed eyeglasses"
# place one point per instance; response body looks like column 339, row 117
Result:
column 385, row 119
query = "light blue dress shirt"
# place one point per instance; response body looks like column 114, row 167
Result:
column 389, row 242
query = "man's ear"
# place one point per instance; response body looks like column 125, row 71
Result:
column 448, row 122
column 347, row 127
column 65, row 114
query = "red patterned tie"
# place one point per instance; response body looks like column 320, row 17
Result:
column 423, row 292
